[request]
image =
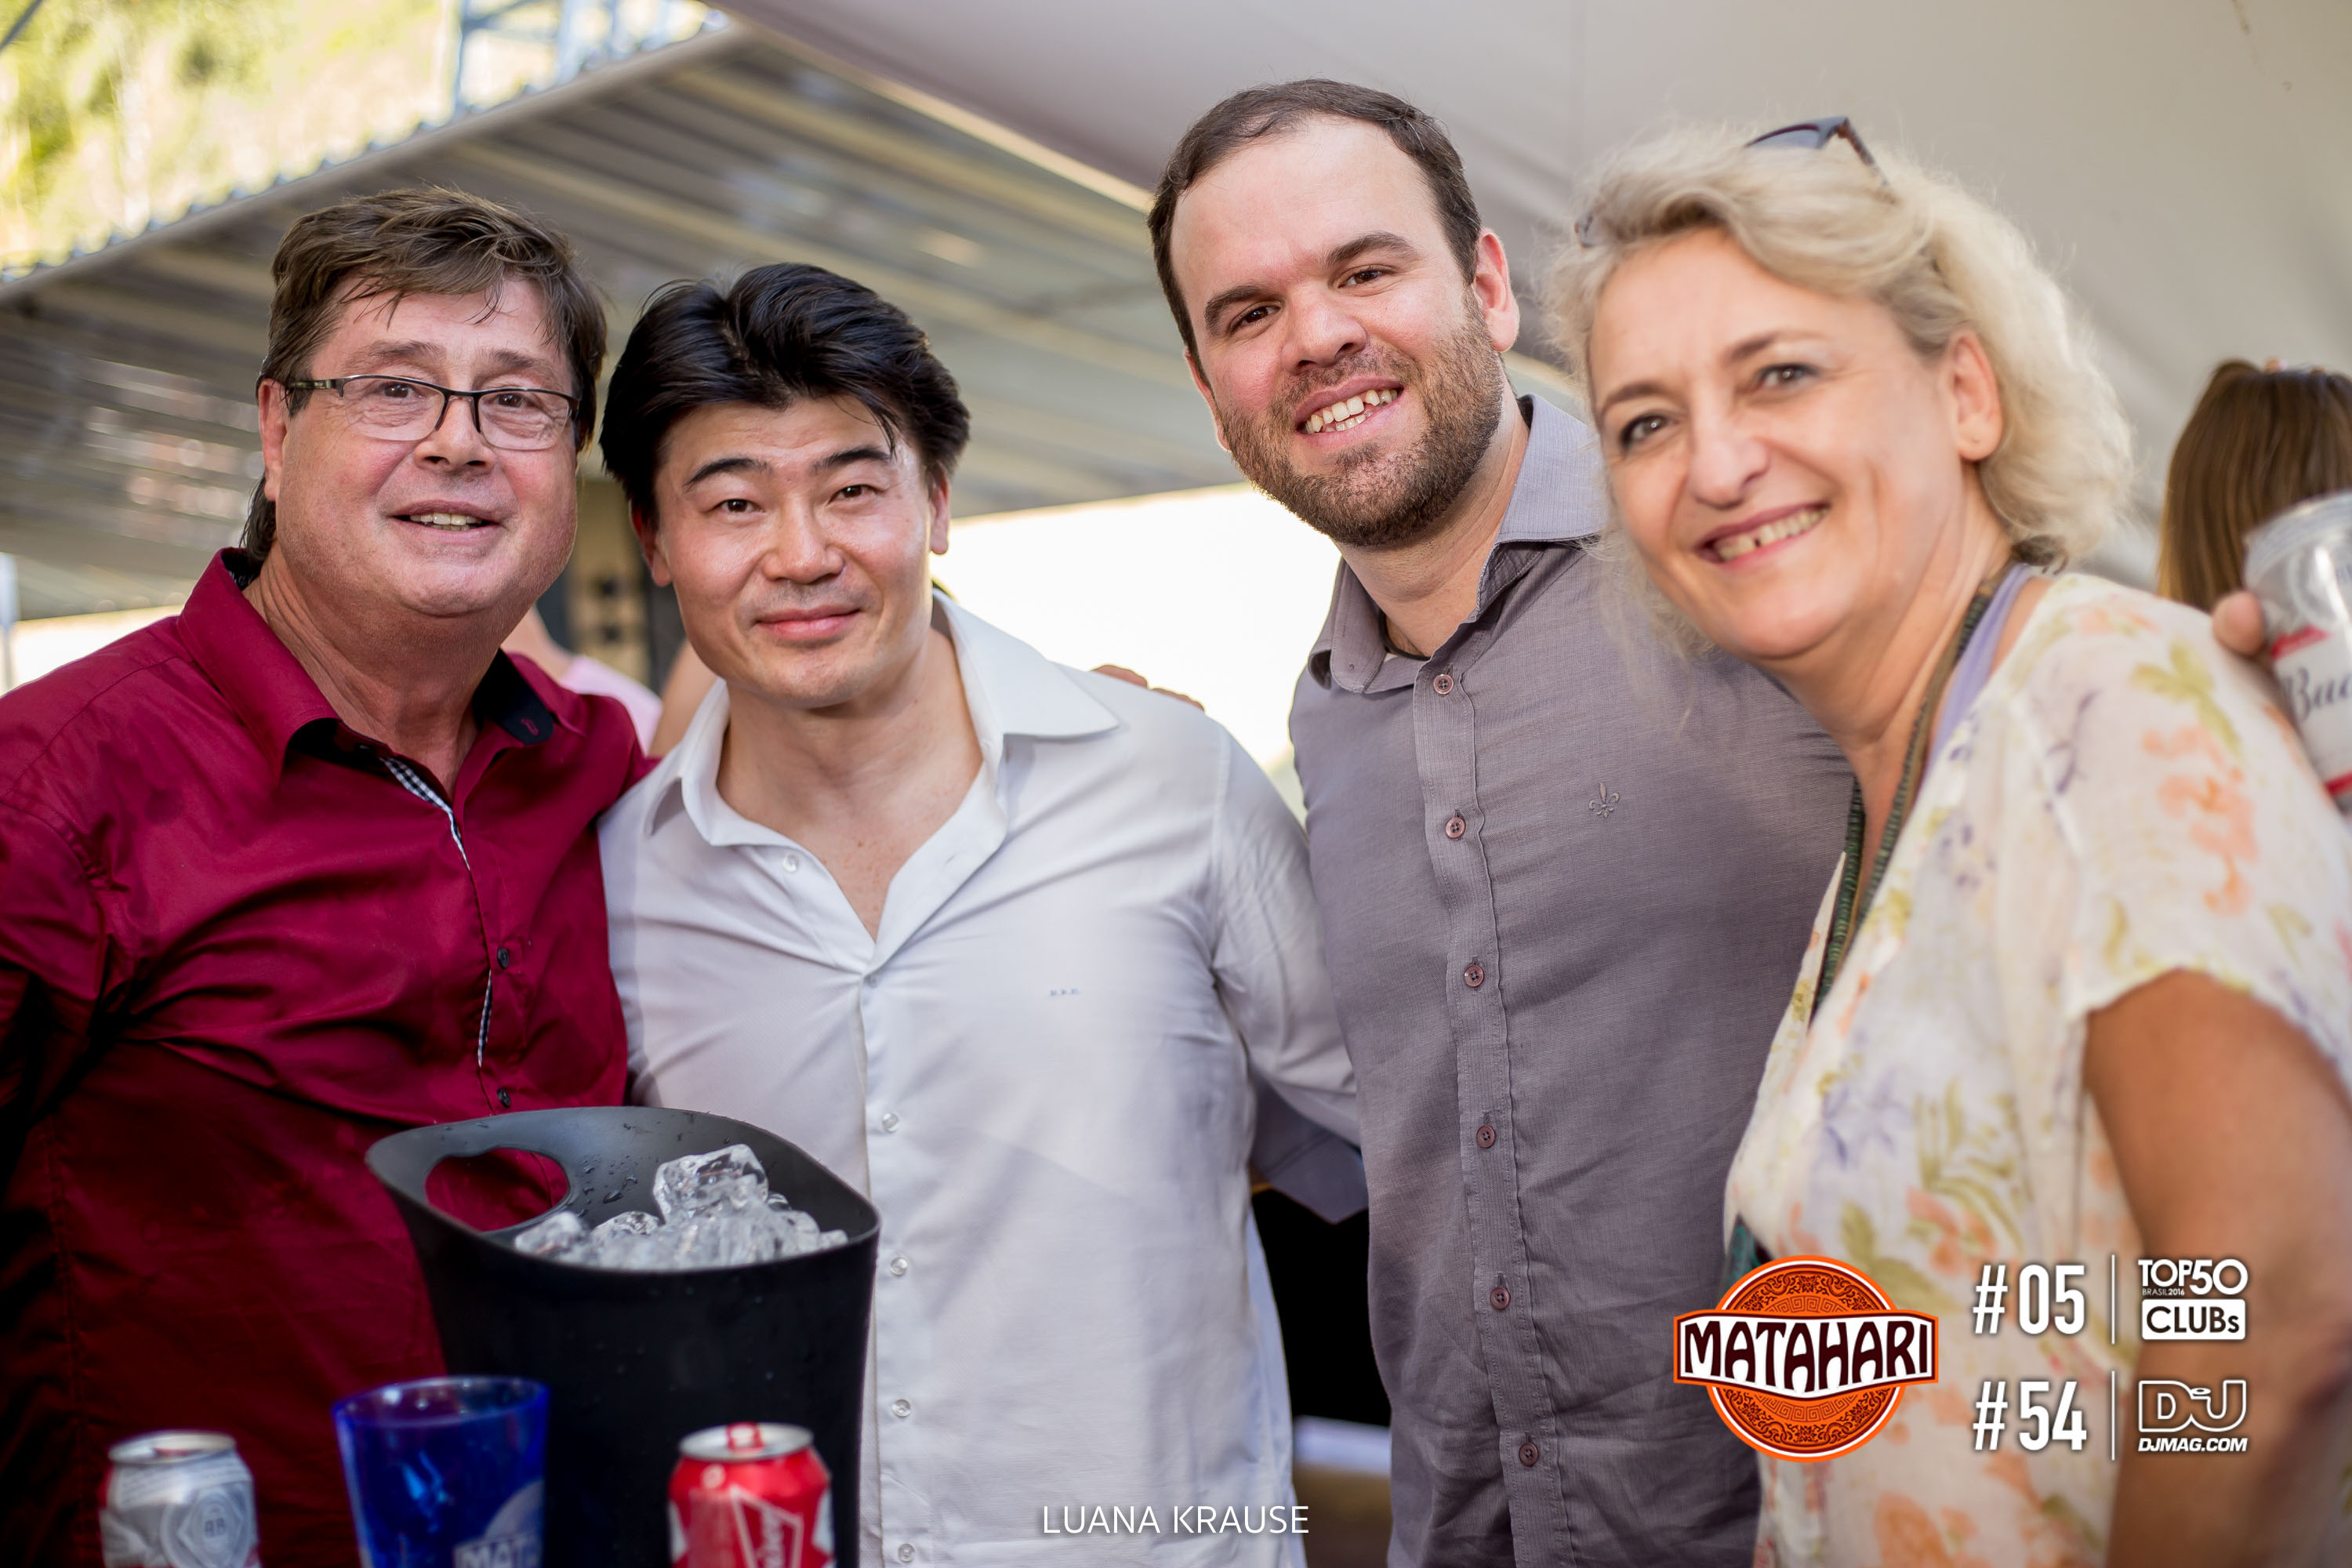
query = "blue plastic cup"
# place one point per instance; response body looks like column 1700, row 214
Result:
column 447, row 1472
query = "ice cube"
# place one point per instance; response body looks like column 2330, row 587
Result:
column 630, row 1239
column 728, row 1240
column 560, row 1234
column 730, row 1180
column 805, row 1235
column 716, row 1213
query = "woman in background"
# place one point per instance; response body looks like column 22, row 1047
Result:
column 2084, row 983
column 2259, row 441
column 591, row 677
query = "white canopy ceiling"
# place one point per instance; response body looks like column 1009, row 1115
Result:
column 2186, row 162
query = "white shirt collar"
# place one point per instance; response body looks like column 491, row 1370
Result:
column 1008, row 688
column 1014, row 690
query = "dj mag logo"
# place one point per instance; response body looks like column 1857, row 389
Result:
column 1805, row 1358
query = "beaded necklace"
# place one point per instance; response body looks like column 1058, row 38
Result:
column 1854, row 894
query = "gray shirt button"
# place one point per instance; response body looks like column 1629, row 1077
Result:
column 1529, row 1454
column 1455, row 828
column 1474, row 974
column 1443, row 685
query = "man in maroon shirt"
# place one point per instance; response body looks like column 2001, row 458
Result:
column 307, row 863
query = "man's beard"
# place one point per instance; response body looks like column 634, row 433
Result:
column 1382, row 496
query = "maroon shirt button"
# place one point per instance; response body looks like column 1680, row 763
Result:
column 506, row 1098
column 1443, row 685
column 1501, row 1296
column 1529, row 1454
column 506, row 957
column 1455, row 828
column 1474, row 974
column 1486, row 1137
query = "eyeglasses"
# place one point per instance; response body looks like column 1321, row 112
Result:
column 397, row 408
column 1813, row 134
column 1809, row 134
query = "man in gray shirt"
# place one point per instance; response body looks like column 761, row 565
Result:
column 1566, row 876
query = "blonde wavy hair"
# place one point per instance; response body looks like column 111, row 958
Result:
column 1941, row 261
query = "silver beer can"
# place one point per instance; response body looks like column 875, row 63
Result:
column 2299, row 564
column 178, row 1500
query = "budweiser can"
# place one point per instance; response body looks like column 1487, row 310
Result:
column 749, row 1495
column 178, row 1500
column 2299, row 564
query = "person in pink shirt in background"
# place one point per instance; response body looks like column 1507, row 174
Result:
column 588, row 676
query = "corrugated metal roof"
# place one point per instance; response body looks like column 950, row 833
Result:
column 126, row 423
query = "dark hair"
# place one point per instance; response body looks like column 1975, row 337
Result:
column 781, row 335
column 422, row 241
column 1261, row 112
column 2259, row 441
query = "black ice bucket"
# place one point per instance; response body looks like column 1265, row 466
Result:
column 634, row 1362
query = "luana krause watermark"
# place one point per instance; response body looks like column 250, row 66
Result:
column 1181, row 1519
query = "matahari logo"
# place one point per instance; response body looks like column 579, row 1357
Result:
column 1805, row 1358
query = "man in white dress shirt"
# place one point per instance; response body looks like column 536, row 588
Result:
column 1001, row 942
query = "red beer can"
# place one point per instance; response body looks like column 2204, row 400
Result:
column 752, row 1494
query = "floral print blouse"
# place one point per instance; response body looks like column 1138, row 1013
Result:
column 2123, row 799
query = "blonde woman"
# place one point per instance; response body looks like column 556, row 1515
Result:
column 2084, row 983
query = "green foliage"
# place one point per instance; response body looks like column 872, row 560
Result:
column 116, row 112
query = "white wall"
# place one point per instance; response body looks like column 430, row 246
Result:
column 42, row 645
column 1216, row 593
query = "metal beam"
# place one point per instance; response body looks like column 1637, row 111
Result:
column 916, row 295
column 978, row 127
column 1053, row 484
column 78, row 342
column 1064, row 207
column 102, row 500
column 42, row 407
column 50, row 536
column 1122, row 444
column 650, row 129
column 223, row 273
column 69, row 588
column 110, row 307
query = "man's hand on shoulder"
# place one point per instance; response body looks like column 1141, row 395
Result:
column 1120, row 672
